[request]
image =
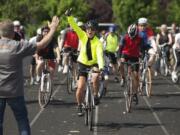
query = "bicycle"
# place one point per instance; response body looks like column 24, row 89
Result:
column 163, row 60
column 71, row 80
column 128, row 89
column 45, row 90
column 145, row 76
column 102, row 89
column 89, row 104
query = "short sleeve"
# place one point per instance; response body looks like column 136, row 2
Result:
column 26, row 48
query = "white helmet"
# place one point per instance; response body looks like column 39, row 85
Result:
column 142, row 20
column 39, row 32
column 16, row 23
column 80, row 24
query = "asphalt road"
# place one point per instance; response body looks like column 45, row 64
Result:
column 158, row 115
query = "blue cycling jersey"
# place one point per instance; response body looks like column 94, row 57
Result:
column 144, row 36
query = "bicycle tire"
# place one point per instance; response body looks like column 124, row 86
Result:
column 90, row 112
column 128, row 94
column 101, row 89
column 45, row 91
column 69, row 81
column 148, row 83
column 86, row 107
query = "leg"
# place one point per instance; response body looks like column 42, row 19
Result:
column 20, row 112
column 2, row 109
column 80, row 90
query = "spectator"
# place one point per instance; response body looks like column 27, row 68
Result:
column 11, row 83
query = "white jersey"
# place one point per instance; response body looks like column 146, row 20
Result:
column 177, row 42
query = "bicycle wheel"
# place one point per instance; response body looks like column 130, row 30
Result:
column 148, row 83
column 128, row 94
column 45, row 90
column 86, row 107
column 163, row 67
column 91, row 112
column 69, row 81
column 101, row 89
column 141, row 82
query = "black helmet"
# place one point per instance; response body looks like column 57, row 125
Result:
column 92, row 24
column 132, row 30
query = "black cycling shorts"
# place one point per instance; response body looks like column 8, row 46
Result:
column 132, row 60
column 82, row 69
column 33, row 61
column 73, row 54
column 111, row 56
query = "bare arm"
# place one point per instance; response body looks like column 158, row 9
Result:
column 45, row 41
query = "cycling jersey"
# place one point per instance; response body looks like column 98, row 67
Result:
column 70, row 39
column 131, row 47
column 95, row 45
column 111, row 42
column 145, row 35
column 48, row 52
column 163, row 38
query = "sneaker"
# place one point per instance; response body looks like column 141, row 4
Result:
column 65, row 70
column 155, row 73
column 96, row 100
column 106, row 77
column 116, row 79
column 122, row 82
column 80, row 111
column 32, row 81
column 60, row 68
column 135, row 99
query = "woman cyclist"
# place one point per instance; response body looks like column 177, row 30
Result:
column 90, row 55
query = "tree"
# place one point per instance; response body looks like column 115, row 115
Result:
column 128, row 11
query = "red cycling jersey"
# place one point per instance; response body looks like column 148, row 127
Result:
column 131, row 47
column 71, row 39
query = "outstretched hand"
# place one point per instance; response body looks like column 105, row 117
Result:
column 54, row 23
column 68, row 12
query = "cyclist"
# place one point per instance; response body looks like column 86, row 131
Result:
column 69, row 46
column 130, row 52
column 90, row 55
column 19, row 35
column 33, row 60
column 111, row 47
column 176, row 53
column 47, row 53
column 146, row 33
column 164, row 37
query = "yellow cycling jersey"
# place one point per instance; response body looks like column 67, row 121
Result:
column 112, row 43
column 95, row 44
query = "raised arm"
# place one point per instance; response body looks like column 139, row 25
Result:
column 45, row 41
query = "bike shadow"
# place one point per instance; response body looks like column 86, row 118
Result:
column 60, row 103
column 159, row 109
column 109, row 127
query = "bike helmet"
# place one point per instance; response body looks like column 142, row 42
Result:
column 39, row 32
column 92, row 24
column 132, row 30
column 16, row 23
column 142, row 20
column 112, row 29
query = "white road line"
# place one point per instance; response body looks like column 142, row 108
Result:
column 96, row 120
column 172, row 83
column 156, row 117
column 42, row 109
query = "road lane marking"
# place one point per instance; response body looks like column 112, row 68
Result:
column 156, row 117
column 176, row 86
column 96, row 120
column 42, row 109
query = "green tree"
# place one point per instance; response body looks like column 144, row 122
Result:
column 128, row 11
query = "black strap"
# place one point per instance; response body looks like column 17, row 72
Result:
column 88, row 49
